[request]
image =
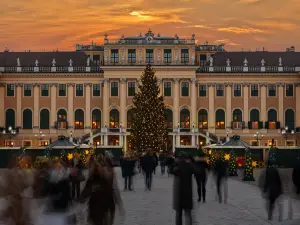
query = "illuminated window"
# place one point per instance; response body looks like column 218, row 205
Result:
column 79, row 119
column 96, row 119
column 291, row 143
column 9, row 144
column 272, row 119
column 129, row 118
column 185, row 118
column 203, row 119
column 114, row 119
column 62, row 119
column 168, row 118
column 44, row 143
column 254, row 143
column 220, row 119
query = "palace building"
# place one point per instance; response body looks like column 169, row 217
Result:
column 210, row 93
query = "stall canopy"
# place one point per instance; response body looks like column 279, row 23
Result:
column 236, row 142
column 62, row 143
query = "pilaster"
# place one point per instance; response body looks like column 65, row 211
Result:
column 19, row 104
column 36, row 107
column 297, row 105
column 53, row 116
column 211, row 107
column 160, row 84
column 123, row 117
column 88, row 122
column 105, row 102
column 176, row 102
column 194, row 102
column 228, row 105
column 2, row 107
column 246, row 103
column 280, row 104
column 71, row 105
column 263, row 102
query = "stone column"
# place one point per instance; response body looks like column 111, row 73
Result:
column 121, row 141
column 88, row 121
column 105, row 102
column 246, row 104
column 211, row 108
column 2, row 107
column 263, row 103
column 105, row 140
column 36, row 107
column 193, row 140
column 160, row 84
column 19, row 105
column 176, row 102
column 228, row 105
column 70, row 115
column 297, row 86
column 123, row 96
column 53, row 116
column 174, row 142
column 194, row 102
column 280, row 105
column 125, row 143
column 101, row 140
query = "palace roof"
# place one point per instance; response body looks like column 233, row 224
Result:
column 31, row 59
column 258, row 59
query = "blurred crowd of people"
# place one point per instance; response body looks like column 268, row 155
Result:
column 56, row 187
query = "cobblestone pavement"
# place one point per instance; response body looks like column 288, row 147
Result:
column 245, row 205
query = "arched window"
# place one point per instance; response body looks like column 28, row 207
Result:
column 27, row 119
column 96, row 119
column 272, row 119
column 237, row 115
column 130, row 115
column 79, row 119
column 220, row 119
column 168, row 118
column 237, row 119
column 290, row 119
column 44, row 119
column 114, row 118
column 254, row 119
column 10, row 118
column 185, row 118
column 202, row 119
column 62, row 122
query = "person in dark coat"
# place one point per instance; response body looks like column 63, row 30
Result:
column 148, row 166
column 162, row 161
column 221, row 173
column 170, row 160
column 76, row 175
column 156, row 161
column 201, row 167
column 183, row 171
column 272, row 188
column 296, row 176
column 128, row 166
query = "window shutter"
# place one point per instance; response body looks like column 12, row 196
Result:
column 277, row 125
column 267, row 124
column 250, row 125
column 260, row 125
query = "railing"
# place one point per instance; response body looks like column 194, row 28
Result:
column 250, row 69
column 152, row 42
column 155, row 63
column 59, row 69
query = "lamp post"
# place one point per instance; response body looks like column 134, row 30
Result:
column 258, row 137
column 71, row 136
column 41, row 135
column 10, row 132
column 285, row 132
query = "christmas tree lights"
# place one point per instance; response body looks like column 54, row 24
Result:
column 212, row 159
column 232, row 164
column 248, row 170
column 148, row 125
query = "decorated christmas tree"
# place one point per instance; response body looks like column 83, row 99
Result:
column 248, row 170
column 232, row 164
column 148, row 125
column 222, row 155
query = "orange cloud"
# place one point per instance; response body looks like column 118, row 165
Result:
column 226, row 42
column 241, row 30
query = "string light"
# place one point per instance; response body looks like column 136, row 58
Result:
column 248, row 170
column 232, row 164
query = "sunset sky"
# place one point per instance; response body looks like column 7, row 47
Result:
column 241, row 24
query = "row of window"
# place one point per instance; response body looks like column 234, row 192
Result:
column 149, row 53
column 114, row 122
column 114, row 89
column 62, row 89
